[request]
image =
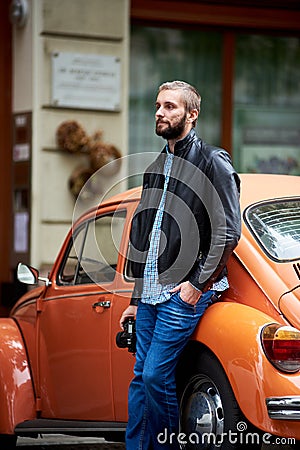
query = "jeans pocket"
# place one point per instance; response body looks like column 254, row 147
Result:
column 176, row 296
column 206, row 299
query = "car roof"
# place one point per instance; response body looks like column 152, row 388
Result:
column 128, row 195
column 254, row 188
column 259, row 187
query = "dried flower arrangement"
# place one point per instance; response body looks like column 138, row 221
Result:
column 101, row 153
column 71, row 137
column 78, row 178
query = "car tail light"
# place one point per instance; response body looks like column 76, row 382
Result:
column 281, row 345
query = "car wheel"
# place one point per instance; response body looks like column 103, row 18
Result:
column 8, row 441
column 210, row 417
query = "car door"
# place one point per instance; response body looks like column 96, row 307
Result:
column 74, row 323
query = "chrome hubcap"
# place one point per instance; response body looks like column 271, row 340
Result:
column 202, row 414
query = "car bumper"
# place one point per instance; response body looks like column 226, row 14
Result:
column 284, row 408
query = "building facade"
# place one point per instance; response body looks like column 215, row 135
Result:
column 98, row 63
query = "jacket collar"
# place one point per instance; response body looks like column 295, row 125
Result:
column 181, row 145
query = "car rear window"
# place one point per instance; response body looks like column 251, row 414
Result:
column 276, row 226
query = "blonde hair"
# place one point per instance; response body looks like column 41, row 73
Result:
column 190, row 95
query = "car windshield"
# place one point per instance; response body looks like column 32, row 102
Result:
column 276, row 226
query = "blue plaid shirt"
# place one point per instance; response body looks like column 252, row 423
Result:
column 153, row 291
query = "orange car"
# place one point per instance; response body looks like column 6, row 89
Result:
column 239, row 376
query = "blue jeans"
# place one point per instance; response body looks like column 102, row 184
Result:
column 162, row 331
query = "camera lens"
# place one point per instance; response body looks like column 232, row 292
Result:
column 121, row 340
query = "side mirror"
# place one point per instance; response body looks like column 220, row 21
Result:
column 28, row 275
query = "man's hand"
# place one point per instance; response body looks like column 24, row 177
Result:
column 130, row 311
column 187, row 292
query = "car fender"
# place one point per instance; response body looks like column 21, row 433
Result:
column 232, row 332
column 17, row 400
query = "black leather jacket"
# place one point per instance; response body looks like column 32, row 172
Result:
column 201, row 222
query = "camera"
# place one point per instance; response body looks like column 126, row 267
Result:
column 127, row 338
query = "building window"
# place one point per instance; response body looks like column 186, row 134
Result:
column 165, row 54
column 250, row 92
column 267, row 104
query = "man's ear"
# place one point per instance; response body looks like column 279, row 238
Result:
column 192, row 115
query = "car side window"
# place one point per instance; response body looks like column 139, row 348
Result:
column 128, row 275
column 93, row 253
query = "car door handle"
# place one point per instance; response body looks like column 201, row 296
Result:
column 103, row 304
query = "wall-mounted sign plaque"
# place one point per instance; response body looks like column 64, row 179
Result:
column 86, row 81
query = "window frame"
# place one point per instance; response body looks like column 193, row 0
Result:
column 84, row 227
column 254, row 233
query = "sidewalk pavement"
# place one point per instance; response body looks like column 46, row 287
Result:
column 61, row 442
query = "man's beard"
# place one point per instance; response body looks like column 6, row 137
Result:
column 172, row 132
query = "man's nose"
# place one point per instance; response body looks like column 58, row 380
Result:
column 159, row 112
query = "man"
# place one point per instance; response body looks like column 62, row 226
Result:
column 185, row 228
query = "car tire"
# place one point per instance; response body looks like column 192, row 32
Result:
column 8, row 441
column 210, row 417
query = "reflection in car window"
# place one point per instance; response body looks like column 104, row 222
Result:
column 93, row 253
column 276, row 226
